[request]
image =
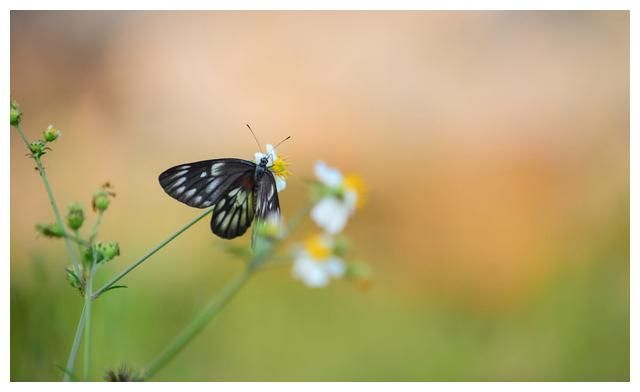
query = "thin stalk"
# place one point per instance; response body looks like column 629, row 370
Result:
column 150, row 253
column 52, row 199
column 71, row 361
column 87, row 323
column 198, row 323
column 96, row 226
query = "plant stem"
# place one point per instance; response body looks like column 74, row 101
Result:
column 150, row 253
column 87, row 323
column 217, row 303
column 96, row 226
column 198, row 323
column 75, row 346
column 52, row 200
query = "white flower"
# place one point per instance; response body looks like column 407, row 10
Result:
column 276, row 165
column 333, row 210
column 315, row 264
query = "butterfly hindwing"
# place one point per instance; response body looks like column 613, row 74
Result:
column 267, row 197
column 234, row 210
column 201, row 184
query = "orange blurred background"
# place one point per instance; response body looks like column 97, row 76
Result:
column 494, row 145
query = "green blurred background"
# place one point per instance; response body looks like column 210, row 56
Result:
column 495, row 150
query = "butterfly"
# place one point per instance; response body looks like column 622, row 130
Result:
column 238, row 190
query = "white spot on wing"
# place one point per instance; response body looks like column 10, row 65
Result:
column 203, row 174
column 221, row 203
column 179, row 174
column 220, row 216
column 190, row 192
column 180, row 181
column 233, row 192
column 213, row 184
column 216, row 168
column 180, row 190
column 197, row 199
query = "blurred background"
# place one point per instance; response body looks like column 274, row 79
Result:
column 494, row 146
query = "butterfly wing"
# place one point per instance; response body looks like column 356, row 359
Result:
column 201, row 184
column 267, row 197
column 227, row 185
column 235, row 209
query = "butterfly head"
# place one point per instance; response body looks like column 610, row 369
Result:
column 264, row 161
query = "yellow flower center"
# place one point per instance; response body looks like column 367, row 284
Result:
column 317, row 247
column 279, row 168
column 355, row 184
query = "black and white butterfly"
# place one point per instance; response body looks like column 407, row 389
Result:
column 238, row 191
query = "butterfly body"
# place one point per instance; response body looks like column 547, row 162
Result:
column 236, row 189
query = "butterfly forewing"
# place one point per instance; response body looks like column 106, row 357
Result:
column 201, row 184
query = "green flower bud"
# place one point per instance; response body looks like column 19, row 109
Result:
column 15, row 115
column 107, row 250
column 73, row 278
column 52, row 230
column 341, row 246
column 101, row 199
column 37, row 148
column 360, row 274
column 75, row 217
column 50, row 134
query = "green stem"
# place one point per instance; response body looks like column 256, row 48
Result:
column 96, row 226
column 87, row 323
column 52, row 200
column 150, row 253
column 198, row 323
column 71, row 362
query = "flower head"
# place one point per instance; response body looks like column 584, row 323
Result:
column 51, row 134
column 15, row 115
column 276, row 165
column 338, row 198
column 102, row 197
column 75, row 216
column 316, row 263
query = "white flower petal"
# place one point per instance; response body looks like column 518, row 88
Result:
column 271, row 153
column 281, row 183
column 328, row 175
column 310, row 272
column 330, row 214
column 258, row 156
column 335, row 267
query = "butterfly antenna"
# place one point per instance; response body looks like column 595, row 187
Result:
column 255, row 138
column 284, row 140
column 276, row 146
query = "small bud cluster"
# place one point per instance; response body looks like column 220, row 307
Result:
column 15, row 115
column 51, row 230
column 39, row 147
column 102, row 198
column 75, row 217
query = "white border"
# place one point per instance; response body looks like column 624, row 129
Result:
column 336, row 5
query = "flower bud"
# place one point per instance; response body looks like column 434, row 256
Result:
column 107, row 250
column 37, row 148
column 341, row 246
column 359, row 271
column 50, row 134
column 75, row 217
column 15, row 115
column 52, row 230
column 101, row 199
